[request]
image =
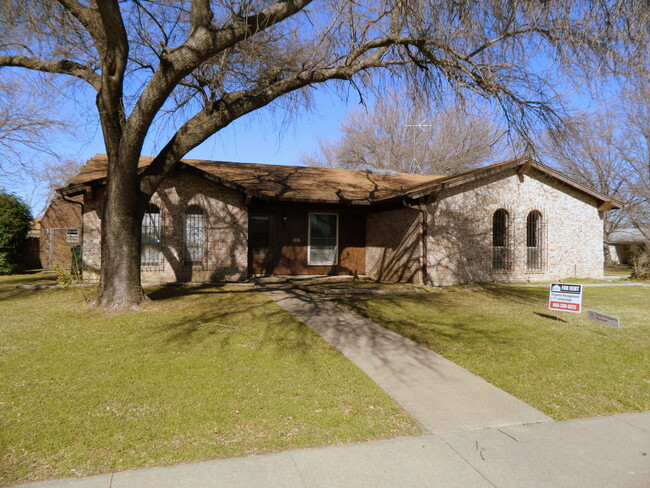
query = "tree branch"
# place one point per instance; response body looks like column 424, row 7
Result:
column 63, row 67
column 89, row 19
column 503, row 37
column 85, row 15
column 204, row 42
column 114, row 60
column 200, row 14
column 232, row 106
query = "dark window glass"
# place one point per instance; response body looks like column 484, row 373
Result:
column 500, row 240
column 534, row 240
column 151, row 245
column 193, row 235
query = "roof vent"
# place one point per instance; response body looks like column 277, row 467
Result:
column 382, row 171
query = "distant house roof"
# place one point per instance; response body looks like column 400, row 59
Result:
column 327, row 185
column 626, row 235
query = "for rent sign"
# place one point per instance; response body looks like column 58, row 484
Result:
column 565, row 297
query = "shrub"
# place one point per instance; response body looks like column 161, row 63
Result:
column 15, row 222
column 641, row 264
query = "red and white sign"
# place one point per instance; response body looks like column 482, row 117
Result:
column 565, row 297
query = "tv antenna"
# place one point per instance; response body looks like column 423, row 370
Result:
column 423, row 127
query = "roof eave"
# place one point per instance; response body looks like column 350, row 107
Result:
column 523, row 165
column 458, row 180
column 74, row 190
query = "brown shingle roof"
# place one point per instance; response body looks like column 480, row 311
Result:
column 331, row 185
column 289, row 183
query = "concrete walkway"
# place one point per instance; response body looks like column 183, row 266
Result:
column 441, row 395
column 603, row 452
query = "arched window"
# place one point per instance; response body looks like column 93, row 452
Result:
column 193, row 235
column 534, row 240
column 500, row 244
column 151, row 243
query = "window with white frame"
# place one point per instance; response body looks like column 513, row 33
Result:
column 72, row 235
column 323, row 238
column 151, row 243
column 193, row 235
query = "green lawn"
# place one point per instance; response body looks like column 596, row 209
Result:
column 560, row 363
column 201, row 373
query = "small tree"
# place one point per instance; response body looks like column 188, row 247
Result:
column 641, row 265
column 411, row 137
column 15, row 222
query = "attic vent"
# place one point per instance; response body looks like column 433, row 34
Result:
column 382, row 171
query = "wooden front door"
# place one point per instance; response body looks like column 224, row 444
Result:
column 260, row 250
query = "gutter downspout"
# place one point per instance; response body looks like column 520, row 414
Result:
column 421, row 207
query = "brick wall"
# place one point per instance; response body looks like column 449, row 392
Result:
column 460, row 231
column 458, row 245
column 225, row 224
column 393, row 245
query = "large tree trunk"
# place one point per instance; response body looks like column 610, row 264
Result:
column 119, row 285
column 608, row 255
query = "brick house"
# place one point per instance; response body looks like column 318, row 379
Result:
column 213, row 221
column 625, row 243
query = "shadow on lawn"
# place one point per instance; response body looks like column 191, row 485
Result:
column 169, row 291
column 528, row 296
column 233, row 316
column 9, row 285
column 431, row 320
column 550, row 317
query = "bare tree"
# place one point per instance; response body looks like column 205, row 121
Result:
column 26, row 122
column 206, row 63
column 48, row 177
column 589, row 151
column 408, row 137
column 634, row 147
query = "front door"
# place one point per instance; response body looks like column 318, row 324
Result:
column 260, row 257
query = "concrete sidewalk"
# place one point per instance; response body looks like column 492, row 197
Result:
column 441, row 395
column 603, row 452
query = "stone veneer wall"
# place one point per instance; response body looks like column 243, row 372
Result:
column 459, row 244
column 226, row 232
column 394, row 245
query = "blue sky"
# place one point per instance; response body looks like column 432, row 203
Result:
column 266, row 136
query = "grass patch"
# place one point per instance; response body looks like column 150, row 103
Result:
column 200, row 374
column 562, row 364
column 359, row 287
column 623, row 270
column 371, row 285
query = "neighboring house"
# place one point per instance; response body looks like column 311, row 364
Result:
column 624, row 243
column 31, row 249
column 211, row 221
column 60, row 231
